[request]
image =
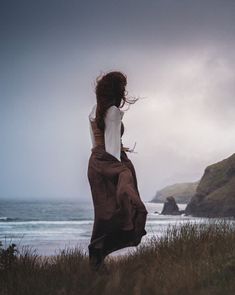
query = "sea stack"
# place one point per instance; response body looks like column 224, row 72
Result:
column 170, row 207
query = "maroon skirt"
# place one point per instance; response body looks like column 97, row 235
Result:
column 119, row 213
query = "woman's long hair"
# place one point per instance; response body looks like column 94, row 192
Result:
column 110, row 90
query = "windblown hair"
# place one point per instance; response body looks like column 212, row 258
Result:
column 110, row 90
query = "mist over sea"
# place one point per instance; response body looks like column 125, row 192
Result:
column 50, row 226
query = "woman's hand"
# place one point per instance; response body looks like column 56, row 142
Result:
column 126, row 149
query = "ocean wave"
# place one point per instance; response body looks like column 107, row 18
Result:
column 5, row 219
column 25, row 220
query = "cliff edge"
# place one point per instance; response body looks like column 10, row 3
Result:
column 215, row 194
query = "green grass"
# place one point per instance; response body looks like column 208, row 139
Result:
column 190, row 259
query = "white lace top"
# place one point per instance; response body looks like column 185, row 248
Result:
column 112, row 132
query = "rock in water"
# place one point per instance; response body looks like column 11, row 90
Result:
column 215, row 194
column 170, row 207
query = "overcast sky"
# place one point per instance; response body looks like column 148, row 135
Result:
column 178, row 55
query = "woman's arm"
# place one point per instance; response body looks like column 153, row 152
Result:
column 112, row 133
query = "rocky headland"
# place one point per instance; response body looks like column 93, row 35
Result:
column 181, row 192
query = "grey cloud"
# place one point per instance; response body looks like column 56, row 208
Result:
column 177, row 54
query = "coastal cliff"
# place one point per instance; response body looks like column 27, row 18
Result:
column 215, row 194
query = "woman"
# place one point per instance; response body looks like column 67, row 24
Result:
column 120, row 215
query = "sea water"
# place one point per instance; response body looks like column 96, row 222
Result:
column 47, row 227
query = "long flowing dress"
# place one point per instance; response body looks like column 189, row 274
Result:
column 119, row 213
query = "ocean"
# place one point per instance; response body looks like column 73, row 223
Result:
column 46, row 227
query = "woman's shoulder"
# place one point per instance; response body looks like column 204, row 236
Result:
column 114, row 113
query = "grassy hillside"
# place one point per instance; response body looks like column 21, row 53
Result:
column 192, row 259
